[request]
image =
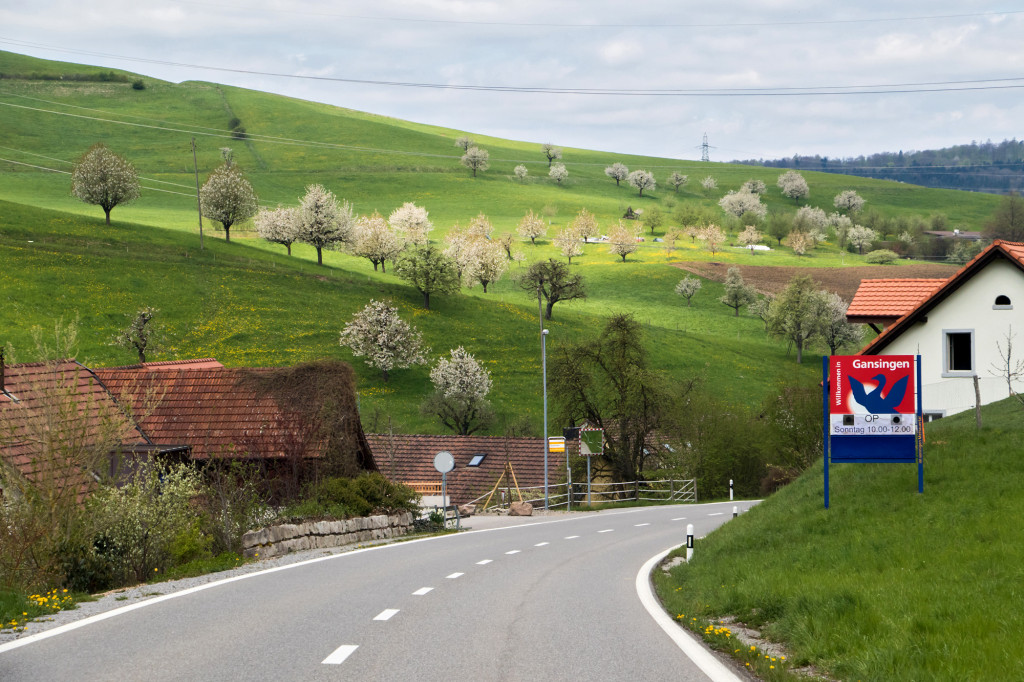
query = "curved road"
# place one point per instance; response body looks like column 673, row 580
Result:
column 548, row 599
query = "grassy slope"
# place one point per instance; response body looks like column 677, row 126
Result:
column 886, row 584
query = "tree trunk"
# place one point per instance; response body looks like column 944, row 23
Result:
column 319, row 256
column 799, row 351
column 383, row 266
column 547, row 314
column 107, row 211
column 227, row 233
column 426, row 300
column 142, row 354
column 289, row 247
column 485, row 286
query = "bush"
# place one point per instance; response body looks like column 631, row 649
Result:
column 340, row 498
column 881, row 257
column 235, row 502
column 138, row 85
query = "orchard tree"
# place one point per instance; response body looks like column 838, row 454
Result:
column 532, row 226
column 861, row 236
column 739, row 204
column 813, row 221
column 708, row 184
column 375, row 241
column 654, row 218
column 754, row 187
column 623, row 240
column 713, row 238
column 552, row 281
column 641, row 180
column 465, row 143
column 458, row 241
column 749, row 237
column 737, row 292
column 386, row 340
column 800, row 242
column 505, row 241
column 617, row 171
column 142, row 334
column 793, row 185
column 841, row 225
column 429, row 271
column 677, row 180
column 585, row 225
column 459, row 399
column 321, row 221
column 277, row 226
column 104, row 179
column 688, row 288
column 795, row 315
column 1007, row 222
column 568, row 243
column 476, row 159
column 487, row 262
column 551, row 152
column 227, row 197
column 848, row 201
column 521, row 172
column 412, row 221
column 558, row 172
column 778, row 226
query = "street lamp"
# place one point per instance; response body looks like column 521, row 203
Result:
column 544, row 368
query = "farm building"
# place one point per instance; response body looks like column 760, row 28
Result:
column 962, row 327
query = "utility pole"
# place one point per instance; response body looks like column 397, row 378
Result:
column 199, row 205
column 705, row 148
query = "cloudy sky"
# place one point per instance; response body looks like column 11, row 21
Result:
column 763, row 78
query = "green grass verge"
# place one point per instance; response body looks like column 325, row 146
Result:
column 886, row 584
column 17, row 610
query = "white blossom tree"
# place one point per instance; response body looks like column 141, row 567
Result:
column 641, row 180
column 741, row 203
column 848, row 201
column 412, row 221
column 708, row 184
column 754, row 187
column 551, row 152
column 387, row 341
column 374, row 240
column 622, row 240
column 465, row 143
column 521, row 172
column 227, row 197
column 677, row 180
column 861, row 236
column 841, row 225
column 585, row 225
column 104, row 179
column 532, row 226
column 476, row 159
column 688, row 287
column 812, row 220
column 737, row 292
column 277, row 225
column 793, row 185
column 459, row 399
column 749, row 237
column 713, row 238
column 569, row 243
column 800, row 242
column 558, row 172
column 321, row 221
column 481, row 226
column 486, row 262
column 617, row 172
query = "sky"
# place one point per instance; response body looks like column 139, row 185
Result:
column 762, row 78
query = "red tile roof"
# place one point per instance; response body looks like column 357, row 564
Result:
column 881, row 300
column 65, row 404
column 218, row 413
column 1011, row 251
column 410, row 459
column 195, row 363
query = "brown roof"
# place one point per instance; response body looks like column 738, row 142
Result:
column 1011, row 251
column 218, row 413
column 65, row 403
column 885, row 300
column 410, row 459
column 195, row 363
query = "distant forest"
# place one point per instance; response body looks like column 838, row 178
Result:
column 997, row 168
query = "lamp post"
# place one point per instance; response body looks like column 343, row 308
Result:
column 544, row 369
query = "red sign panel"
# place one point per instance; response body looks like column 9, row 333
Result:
column 872, row 395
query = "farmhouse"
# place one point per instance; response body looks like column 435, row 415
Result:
column 962, row 327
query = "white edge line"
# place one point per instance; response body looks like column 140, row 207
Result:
column 689, row 645
column 340, row 654
column 61, row 629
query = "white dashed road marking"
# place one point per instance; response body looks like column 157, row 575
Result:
column 512, row 551
column 571, row 537
column 541, row 544
column 453, row 576
column 606, row 530
column 386, row 614
column 638, row 525
column 340, row 654
column 681, row 518
column 484, row 562
column 422, row 591
column 716, row 514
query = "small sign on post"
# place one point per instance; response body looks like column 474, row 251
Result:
column 591, row 443
column 556, row 444
column 444, row 462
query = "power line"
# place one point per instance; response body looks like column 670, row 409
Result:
column 782, row 91
column 64, row 172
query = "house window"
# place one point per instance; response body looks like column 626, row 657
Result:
column 1002, row 303
column 958, row 352
column 476, row 461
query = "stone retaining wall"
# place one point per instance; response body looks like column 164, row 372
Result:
column 292, row 537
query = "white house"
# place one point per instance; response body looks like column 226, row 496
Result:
column 961, row 327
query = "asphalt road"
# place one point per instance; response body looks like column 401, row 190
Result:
column 547, row 600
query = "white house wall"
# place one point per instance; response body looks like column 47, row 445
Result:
column 969, row 308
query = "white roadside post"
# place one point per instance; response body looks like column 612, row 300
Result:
column 730, row 490
column 735, row 511
column 689, row 542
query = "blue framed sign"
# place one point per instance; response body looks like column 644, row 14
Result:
column 871, row 411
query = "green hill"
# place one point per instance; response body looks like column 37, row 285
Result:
column 887, row 584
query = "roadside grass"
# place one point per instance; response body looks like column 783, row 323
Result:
column 17, row 610
column 886, row 584
column 222, row 562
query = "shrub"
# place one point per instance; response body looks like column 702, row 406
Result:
column 340, row 497
column 881, row 256
column 138, row 85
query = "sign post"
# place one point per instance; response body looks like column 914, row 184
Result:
column 444, row 462
column 591, row 443
column 871, row 409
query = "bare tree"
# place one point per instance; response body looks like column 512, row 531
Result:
column 142, row 334
column 1009, row 369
